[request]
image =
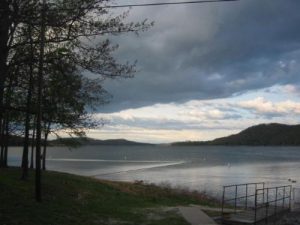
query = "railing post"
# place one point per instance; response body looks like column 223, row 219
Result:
column 223, row 199
column 255, row 205
column 267, row 206
column 276, row 200
column 263, row 192
column 283, row 201
column 246, row 196
column 235, row 198
column 290, row 198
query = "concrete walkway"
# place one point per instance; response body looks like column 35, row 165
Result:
column 213, row 209
column 195, row 216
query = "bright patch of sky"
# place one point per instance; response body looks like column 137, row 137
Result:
column 202, row 119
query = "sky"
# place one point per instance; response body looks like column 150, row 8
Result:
column 205, row 71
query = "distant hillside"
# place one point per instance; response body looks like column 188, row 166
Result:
column 260, row 135
column 90, row 141
column 73, row 142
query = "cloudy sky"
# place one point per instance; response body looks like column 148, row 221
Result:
column 206, row 71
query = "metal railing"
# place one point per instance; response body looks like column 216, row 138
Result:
column 241, row 196
column 273, row 201
column 255, row 202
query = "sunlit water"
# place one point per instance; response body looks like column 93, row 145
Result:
column 196, row 168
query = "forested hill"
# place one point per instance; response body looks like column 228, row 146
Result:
column 263, row 134
column 91, row 141
column 74, row 142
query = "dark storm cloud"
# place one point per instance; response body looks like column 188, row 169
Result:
column 209, row 51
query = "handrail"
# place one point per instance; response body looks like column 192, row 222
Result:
column 275, row 202
column 233, row 185
column 246, row 196
column 273, row 187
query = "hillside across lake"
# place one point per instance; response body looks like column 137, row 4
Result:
column 260, row 135
column 90, row 141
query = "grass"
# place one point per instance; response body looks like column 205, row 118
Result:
column 75, row 200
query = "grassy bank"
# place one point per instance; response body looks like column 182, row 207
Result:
column 76, row 200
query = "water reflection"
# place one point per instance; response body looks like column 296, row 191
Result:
column 197, row 168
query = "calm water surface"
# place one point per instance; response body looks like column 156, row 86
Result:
column 196, row 168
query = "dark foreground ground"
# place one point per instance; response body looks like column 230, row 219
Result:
column 292, row 218
column 76, row 200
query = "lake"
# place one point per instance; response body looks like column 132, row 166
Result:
column 203, row 168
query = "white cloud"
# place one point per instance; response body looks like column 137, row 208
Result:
column 199, row 119
column 291, row 89
column 262, row 106
column 156, row 136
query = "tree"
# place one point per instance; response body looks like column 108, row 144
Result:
column 68, row 98
column 78, row 40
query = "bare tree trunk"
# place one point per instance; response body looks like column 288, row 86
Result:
column 5, row 22
column 3, row 141
column 5, row 162
column 25, row 152
column 28, row 106
column 44, row 152
column 1, row 149
column 47, row 131
column 38, row 194
column 5, row 124
column 32, row 145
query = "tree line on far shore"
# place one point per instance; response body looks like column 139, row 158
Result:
column 54, row 57
column 273, row 134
